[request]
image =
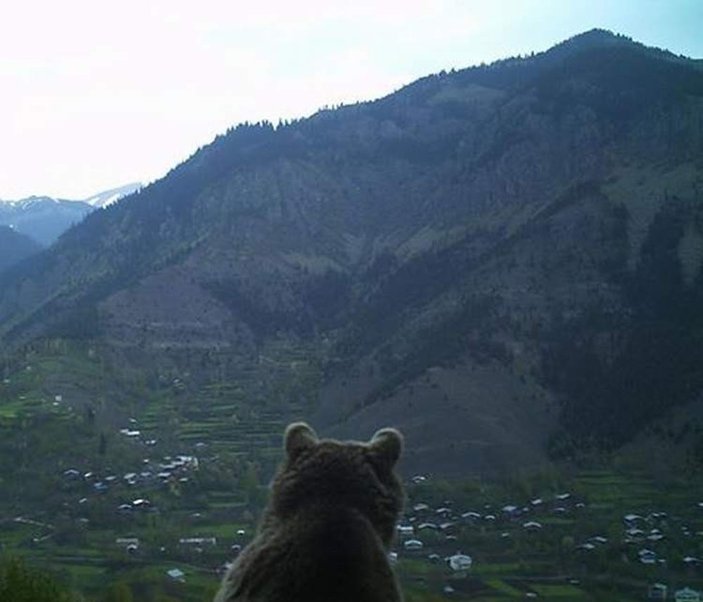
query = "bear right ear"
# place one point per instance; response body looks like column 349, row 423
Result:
column 298, row 438
column 387, row 445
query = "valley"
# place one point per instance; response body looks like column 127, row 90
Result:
column 124, row 489
column 504, row 262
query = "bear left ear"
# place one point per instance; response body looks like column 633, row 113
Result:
column 387, row 444
column 298, row 438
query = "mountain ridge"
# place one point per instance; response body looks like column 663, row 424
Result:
column 494, row 221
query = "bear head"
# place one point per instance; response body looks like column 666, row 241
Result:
column 352, row 475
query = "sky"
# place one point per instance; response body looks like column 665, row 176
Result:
column 97, row 94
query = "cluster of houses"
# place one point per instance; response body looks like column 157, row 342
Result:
column 640, row 532
column 643, row 533
column 168, row 469
column 444, row 522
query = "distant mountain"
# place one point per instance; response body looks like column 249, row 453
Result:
column 15, row 247
column 103, row 199
column 503, row 261
column 44, row 218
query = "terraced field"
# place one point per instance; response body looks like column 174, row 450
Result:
column 234, row 429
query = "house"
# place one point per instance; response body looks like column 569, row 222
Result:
column 405, row 530
column 687, row 595
column 598, row 539
column 471, row 516
column 131, row 544
column 647, row 556
column 198, row 541
column 657, row 591
column 413, row 544
column 532, row 525
column 460, row 562
column 130, row 433
column 176, row 574
column 420, row 507
column 634, row 535
column 586, row 547
column 510, row 510
column 632, row 521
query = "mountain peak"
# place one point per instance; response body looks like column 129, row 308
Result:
column 598, row 37
column 603, row 38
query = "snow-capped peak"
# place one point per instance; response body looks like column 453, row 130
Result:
column 107, row 197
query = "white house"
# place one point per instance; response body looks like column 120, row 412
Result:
column 176, row 574
column 532, row 525
column 687, row 595
column 460, row 562
column 647, row 556
column 198, row 541
column 405, row 530
column 413, row 544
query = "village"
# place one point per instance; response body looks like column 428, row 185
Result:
column 171, row 504
column 441, row 545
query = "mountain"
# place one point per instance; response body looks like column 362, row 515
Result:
column 15, row 247
column 107, row 197
column 503, row 261
column 44, row 218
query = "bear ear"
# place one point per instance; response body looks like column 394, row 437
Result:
column 387, row 444
column 298, row 438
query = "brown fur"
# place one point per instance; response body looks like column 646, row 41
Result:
column 325, row 534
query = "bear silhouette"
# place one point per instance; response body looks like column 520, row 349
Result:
column 325, row 534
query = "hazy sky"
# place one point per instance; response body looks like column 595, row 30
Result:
column 95, row 94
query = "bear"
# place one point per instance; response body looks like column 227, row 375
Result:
column 326, row 531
